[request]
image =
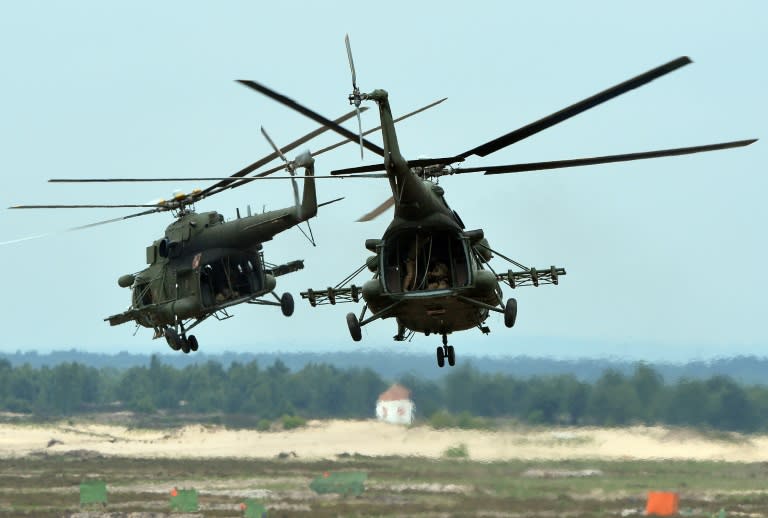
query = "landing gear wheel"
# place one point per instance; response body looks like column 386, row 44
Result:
column 510, row 312
column 192, row 343
column 184, row 345
column 172, row 337
column 440, row 357
column 286, row 304
column 354, row 327
column 451, row 355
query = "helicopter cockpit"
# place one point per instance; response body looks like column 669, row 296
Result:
column 424, row 261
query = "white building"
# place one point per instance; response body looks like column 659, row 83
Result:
column 395, row 405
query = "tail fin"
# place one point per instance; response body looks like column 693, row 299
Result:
column 308, row 208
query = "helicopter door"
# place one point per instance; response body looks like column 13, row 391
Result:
column 446, row 262
column 243, row 277
column 230, row 277
column 459, row 262
column 418, row 261
column 206, row 286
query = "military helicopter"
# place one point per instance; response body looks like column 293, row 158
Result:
column 430, row 273
column 204, row 265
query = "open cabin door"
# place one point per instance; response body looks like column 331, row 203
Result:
column 231, row 276
column 423, row 261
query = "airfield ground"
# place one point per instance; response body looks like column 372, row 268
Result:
column 413, row 471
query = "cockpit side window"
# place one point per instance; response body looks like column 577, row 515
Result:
column 142, row 294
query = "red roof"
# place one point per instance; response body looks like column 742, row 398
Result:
column 395, row 393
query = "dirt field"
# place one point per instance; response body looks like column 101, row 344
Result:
column 411, row 471
column 326, row 439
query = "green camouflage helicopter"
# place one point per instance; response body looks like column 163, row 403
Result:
column 204, row 265
column 430, row 273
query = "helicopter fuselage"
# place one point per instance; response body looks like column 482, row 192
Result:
column 203, row 265
column 427, row 269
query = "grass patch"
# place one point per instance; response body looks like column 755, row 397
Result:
column 459, row 451
column 452, row 486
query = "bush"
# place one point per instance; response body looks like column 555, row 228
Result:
column 143, row 405
column 264, row 425
column 441, row 419
column 467, row 421
column 457, row 452
column 293, row 421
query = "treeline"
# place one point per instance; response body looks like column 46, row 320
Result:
column 744, row 369
column 323, row 391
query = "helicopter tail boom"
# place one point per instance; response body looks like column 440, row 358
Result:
column 308, row 207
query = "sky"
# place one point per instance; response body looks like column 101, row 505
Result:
column 665, row 258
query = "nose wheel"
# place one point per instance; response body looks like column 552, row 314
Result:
column 445, row 352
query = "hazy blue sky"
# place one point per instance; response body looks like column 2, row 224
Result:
column 666, row 258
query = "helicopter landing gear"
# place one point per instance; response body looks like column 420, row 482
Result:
column 188, row 344
column 286, row 304
column 172, row 337
column 354, row 327
column 180, row 342
column 400, row 336
column 446, row 352
column 510, row 312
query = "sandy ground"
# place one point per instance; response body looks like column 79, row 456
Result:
column 326, row 439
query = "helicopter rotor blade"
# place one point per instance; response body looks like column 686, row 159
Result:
column 329, row 202
column 577, row 162
column 360, row 131
column 311, row 114
column 421, row 162
column 113, row 220
column 206, row 179
column 355, row 97
column 80, row 227
column 377, row 128
column 341, row 142
column 351, row 61
column 389, row 202
column 289, row 166
column 360, row 169
column 231, row 182
column 574, row 109
column 89, row 206
column 22, row 239
column 277, row 149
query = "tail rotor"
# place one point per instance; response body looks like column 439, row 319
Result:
column 289, row 166
column 355, row 98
